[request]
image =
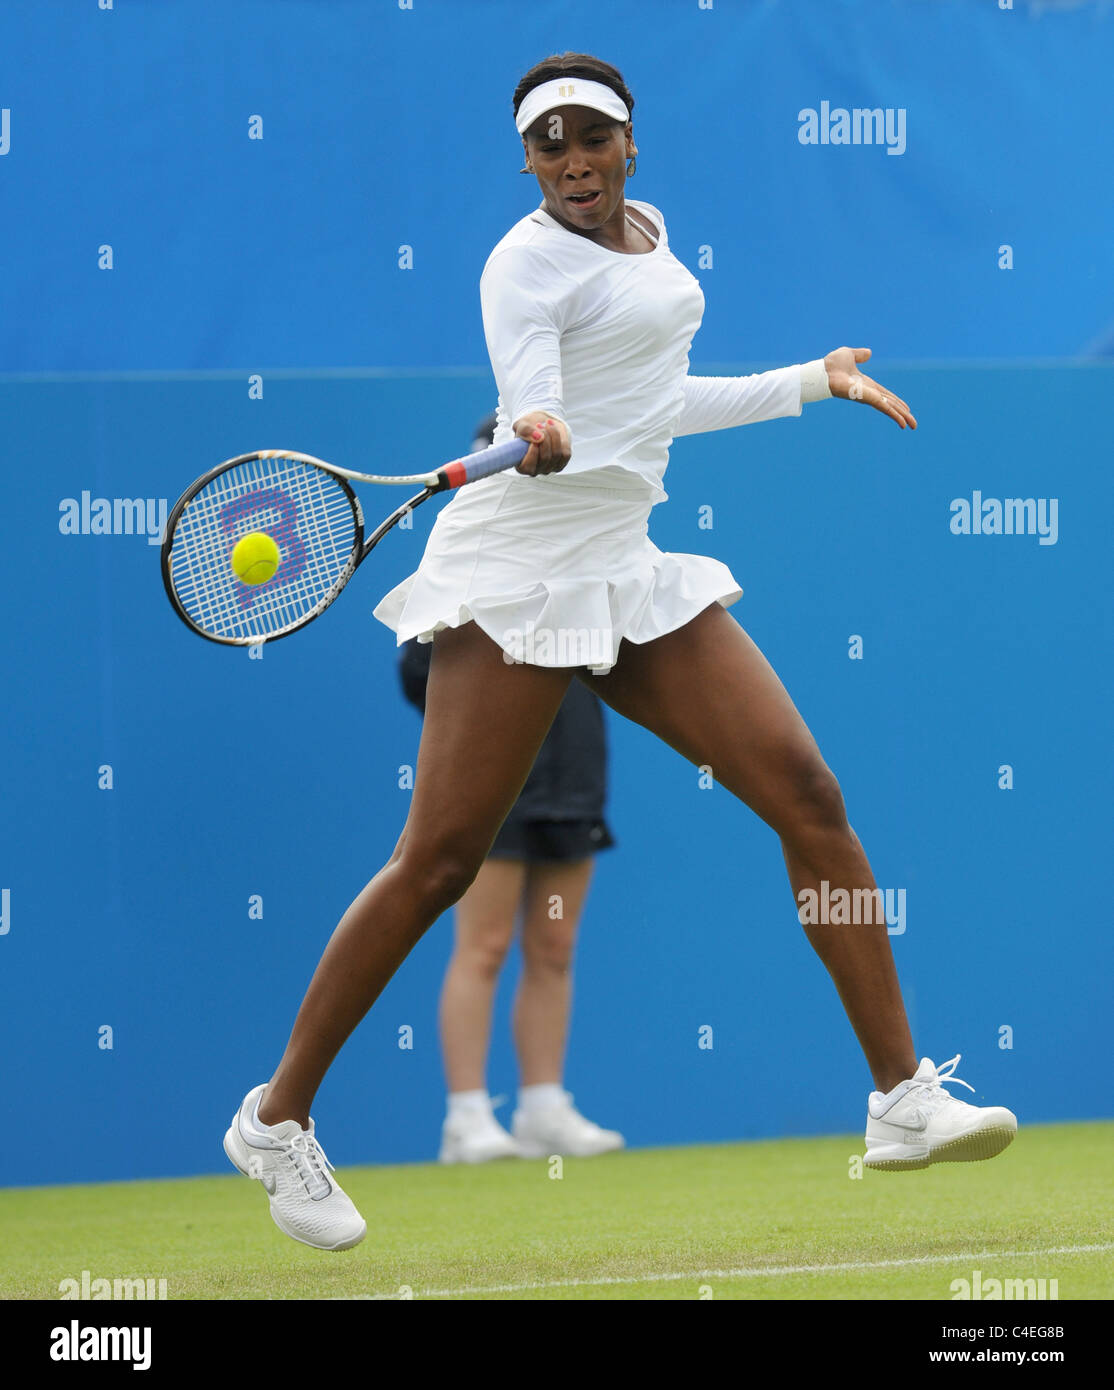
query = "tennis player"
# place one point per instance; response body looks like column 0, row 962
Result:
column 589, row 319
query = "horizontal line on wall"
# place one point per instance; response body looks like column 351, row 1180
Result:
column 242, row 373
column 484, row 373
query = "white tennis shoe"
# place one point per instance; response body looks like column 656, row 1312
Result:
column 475, row 1136
column 291, row 1165
column 918, row 1123
column 561, row 1129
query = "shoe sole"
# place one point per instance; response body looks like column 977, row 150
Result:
column 527, row 1150
column 968, row 1148
column 451, row 1158
column 472, row 1162
column 229, row 1142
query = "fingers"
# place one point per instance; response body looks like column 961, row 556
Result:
column 887, row 402
column 549, row 445
column 848, row 380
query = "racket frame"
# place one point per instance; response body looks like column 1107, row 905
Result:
column 449, row 476
column 438, row 481
column 361, row 549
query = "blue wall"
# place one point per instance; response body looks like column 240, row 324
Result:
column 279, row 777
column 384, row 127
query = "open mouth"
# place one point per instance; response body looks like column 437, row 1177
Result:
column 583, row 200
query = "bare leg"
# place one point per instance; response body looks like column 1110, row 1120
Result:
column 485, row 721
column 544, row 999
column 709, row 692
column 485, row 919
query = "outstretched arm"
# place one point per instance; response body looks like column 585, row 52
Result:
column 722, row 402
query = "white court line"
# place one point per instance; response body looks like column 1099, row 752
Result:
column 756, row 1272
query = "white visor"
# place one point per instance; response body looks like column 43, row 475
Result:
column 570, row 91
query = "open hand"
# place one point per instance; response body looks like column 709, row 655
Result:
column 845, row 380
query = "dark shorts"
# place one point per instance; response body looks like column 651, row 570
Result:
column 541, row 841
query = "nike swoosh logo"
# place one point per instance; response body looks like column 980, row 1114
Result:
column 270, row 1184
column 916, row 1120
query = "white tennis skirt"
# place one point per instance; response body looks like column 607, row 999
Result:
column 557, row 570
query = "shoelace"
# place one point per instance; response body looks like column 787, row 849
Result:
column 930, row 1095
column 307, row 1156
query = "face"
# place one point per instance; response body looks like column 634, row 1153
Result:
column 579, row 157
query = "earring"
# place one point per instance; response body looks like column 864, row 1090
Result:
column 632, row 165
column 527, row 170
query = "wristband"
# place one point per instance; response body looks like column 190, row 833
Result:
column 814, row 382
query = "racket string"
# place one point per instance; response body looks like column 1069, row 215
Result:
column 310, row 515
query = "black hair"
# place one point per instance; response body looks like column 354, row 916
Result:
column 574, row 65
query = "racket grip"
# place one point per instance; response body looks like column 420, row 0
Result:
column 497, row 458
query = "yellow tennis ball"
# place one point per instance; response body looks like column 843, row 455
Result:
column 255, row 557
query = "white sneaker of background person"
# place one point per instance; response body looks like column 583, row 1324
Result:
column 291, row 1165
column 918, row 1123
column 546, row 1123
column 471, row 1133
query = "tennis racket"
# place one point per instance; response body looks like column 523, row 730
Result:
column 308, row 508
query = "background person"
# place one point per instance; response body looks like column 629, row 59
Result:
column 539, row 869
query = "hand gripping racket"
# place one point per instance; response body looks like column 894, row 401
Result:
column 310, row 512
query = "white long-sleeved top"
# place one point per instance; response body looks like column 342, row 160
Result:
column 600, row 340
